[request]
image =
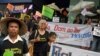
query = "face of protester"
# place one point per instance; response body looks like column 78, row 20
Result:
column 65, row 13
column 13, row 29
column 89, row 21
column 52, row 38
column 42, row 24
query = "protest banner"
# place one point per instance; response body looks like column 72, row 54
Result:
column 75, row 34
column 48, row 12
column 19, row 7
column 64, row 50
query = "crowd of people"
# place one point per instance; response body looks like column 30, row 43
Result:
column 29, row 36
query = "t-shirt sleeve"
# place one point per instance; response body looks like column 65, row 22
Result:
column 47, row 34
column 25, row 47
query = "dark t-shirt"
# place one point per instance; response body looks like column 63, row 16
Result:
column 46, row 49
column 19, row 48
column 43, row 40
column 63, row 19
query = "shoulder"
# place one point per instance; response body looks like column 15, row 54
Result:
column 23, row 40
column 47, row 32
column 1, row 41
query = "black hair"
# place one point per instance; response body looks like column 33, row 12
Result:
column 64, row 10
column 15, row 21
column 80, row 20
column 86, row 21
column 52, row 33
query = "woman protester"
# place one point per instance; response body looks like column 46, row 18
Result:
column 39, row 38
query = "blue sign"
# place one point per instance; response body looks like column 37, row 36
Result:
column 15, row 1
column 57, row 52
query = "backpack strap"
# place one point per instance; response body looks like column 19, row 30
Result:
column 1, row 42
column 24, row 41
column 25, row 47
column 36, row 32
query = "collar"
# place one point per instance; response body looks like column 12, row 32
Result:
column 8, row 38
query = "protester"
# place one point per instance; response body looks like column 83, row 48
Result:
column 64, row 17
column 77, row 20
column 33, row 25
column 87, row 41
column 51, row 39
column 13, row 44
column 88, row 21
column 96, row 40
column 5, row 15
column 39, row 37
column 27, row 21
column 1, row 34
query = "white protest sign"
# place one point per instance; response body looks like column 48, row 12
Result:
column 64, row 50
column 19, row 7
column 25, row 10
column 96, row 31
column 72, row 33
column 56, row 19
column 30, row 7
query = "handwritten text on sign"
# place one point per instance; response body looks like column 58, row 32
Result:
column 64, row 50
column 71, row 32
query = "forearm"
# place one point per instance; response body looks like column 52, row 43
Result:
column 27, row 54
